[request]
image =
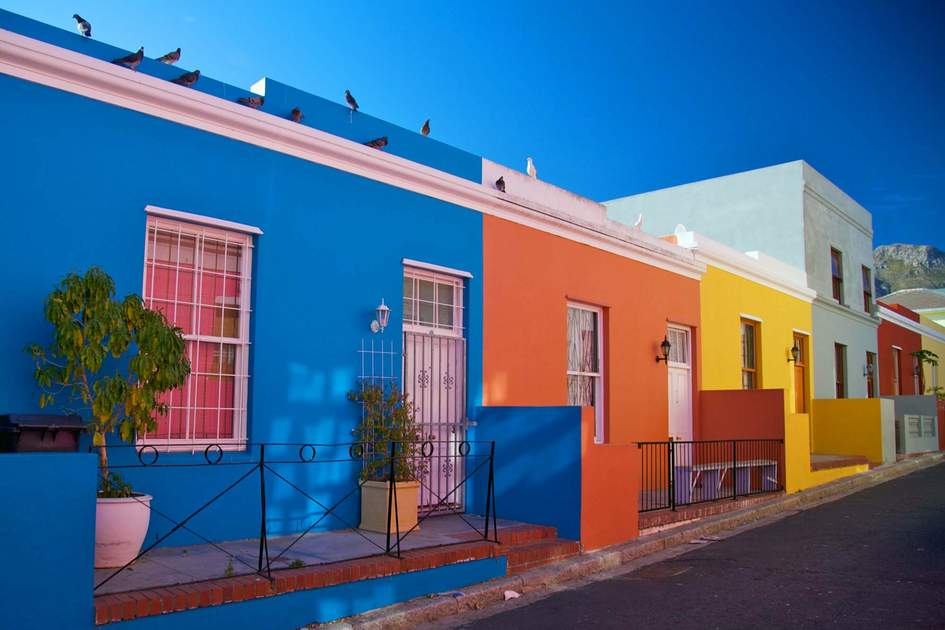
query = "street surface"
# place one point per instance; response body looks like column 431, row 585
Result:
column 875, row 559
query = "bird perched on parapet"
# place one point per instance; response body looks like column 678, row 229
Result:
column 531, row 170
column 170, row 58
column 500, row 184
column 187, row 79
column 131, row 61
column 251, row 101
column 425, row 129
column 296, row 115
column 638, row 224
column 84, row 27
column 353, row 104
column 377, row 143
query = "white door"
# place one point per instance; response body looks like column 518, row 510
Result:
column 435, row 382
column 679, row 367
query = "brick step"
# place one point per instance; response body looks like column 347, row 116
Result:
column 524, row 534
column 524, row 557
column 826, row 462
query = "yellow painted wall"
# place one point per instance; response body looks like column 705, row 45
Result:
column 938, row 348
column 725, row 298
column 854, row 426
column 797, row 457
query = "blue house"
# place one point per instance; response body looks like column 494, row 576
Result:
column 274, row 245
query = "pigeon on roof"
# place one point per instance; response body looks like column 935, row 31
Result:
column 83, row 26
column 425, row 129
column 251, row 101
column 296, row 115
column 377, row 143
column 531, row 170
column 170, row 58
column 187, row 79
column 500, row 184
column 353, row 104
column 131, row 61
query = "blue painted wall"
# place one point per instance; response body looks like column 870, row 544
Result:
column 537, row 465
column 294, row 610
column 48, row 527
column 280, row 99
column 78, row 175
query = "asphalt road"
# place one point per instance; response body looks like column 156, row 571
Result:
column 875, row 559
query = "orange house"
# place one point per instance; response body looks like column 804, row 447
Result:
column 574, row 313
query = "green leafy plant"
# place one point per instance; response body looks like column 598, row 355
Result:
column 228, row 571
column 387, row 415
column 938, row 392
column 926, row 356
column 112, row 359
column 296, row 564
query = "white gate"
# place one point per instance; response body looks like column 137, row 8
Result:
column 434, row 377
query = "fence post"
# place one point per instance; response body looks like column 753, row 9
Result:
column 263, row 537
column 390, row 493
column 672, row 475
column 489, row 491
column 734, row 469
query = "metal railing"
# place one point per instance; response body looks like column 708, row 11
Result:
column 266, row 461
column 678, row 473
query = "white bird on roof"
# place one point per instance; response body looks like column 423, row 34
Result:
column 638, row 224
column 530, row 169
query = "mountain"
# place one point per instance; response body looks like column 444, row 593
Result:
column 902, row 266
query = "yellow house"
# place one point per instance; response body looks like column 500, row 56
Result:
column 755, row 311
column 934, row 341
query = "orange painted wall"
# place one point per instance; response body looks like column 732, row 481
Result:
column 735, row 414
column 528, row 278
column 609, row 474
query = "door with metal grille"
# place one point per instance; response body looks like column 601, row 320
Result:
column 435, row 382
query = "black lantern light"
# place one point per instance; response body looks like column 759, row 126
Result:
column 665, row 347
column 795, row 354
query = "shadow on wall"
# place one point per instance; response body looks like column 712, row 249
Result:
column 537, row 465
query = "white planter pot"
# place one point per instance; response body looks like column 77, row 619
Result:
column 120, row 528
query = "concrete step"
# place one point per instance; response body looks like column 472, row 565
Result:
column 525, row 557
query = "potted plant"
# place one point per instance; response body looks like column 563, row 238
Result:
column 112, row 359
column 387, row 416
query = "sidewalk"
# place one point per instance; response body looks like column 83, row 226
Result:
column 425, row 610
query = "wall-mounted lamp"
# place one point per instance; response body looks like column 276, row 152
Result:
column 868, row 370
column 665, row 347
column 382, row 312
column 795, row 354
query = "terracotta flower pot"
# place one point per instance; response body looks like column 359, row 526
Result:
column 374, row 502
column 120, row 527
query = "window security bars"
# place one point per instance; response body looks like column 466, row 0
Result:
column 199, row 278
column 267, row 462
column 677, row 473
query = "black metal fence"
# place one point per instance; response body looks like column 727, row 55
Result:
column 677, row 473
column 265, row 463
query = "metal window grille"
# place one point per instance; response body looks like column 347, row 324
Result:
column 199, row 278
column 928, row 426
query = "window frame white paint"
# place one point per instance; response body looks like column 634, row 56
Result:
column 159, row 218
column 456, row 282
column 599, row 402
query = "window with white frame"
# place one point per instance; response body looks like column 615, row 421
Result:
column 433, row 302
column 199, row 278
column 585, row 362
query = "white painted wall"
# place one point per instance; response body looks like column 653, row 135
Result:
column 755, row 210
column 837, row 324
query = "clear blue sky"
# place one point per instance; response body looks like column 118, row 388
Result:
column 609, row 98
